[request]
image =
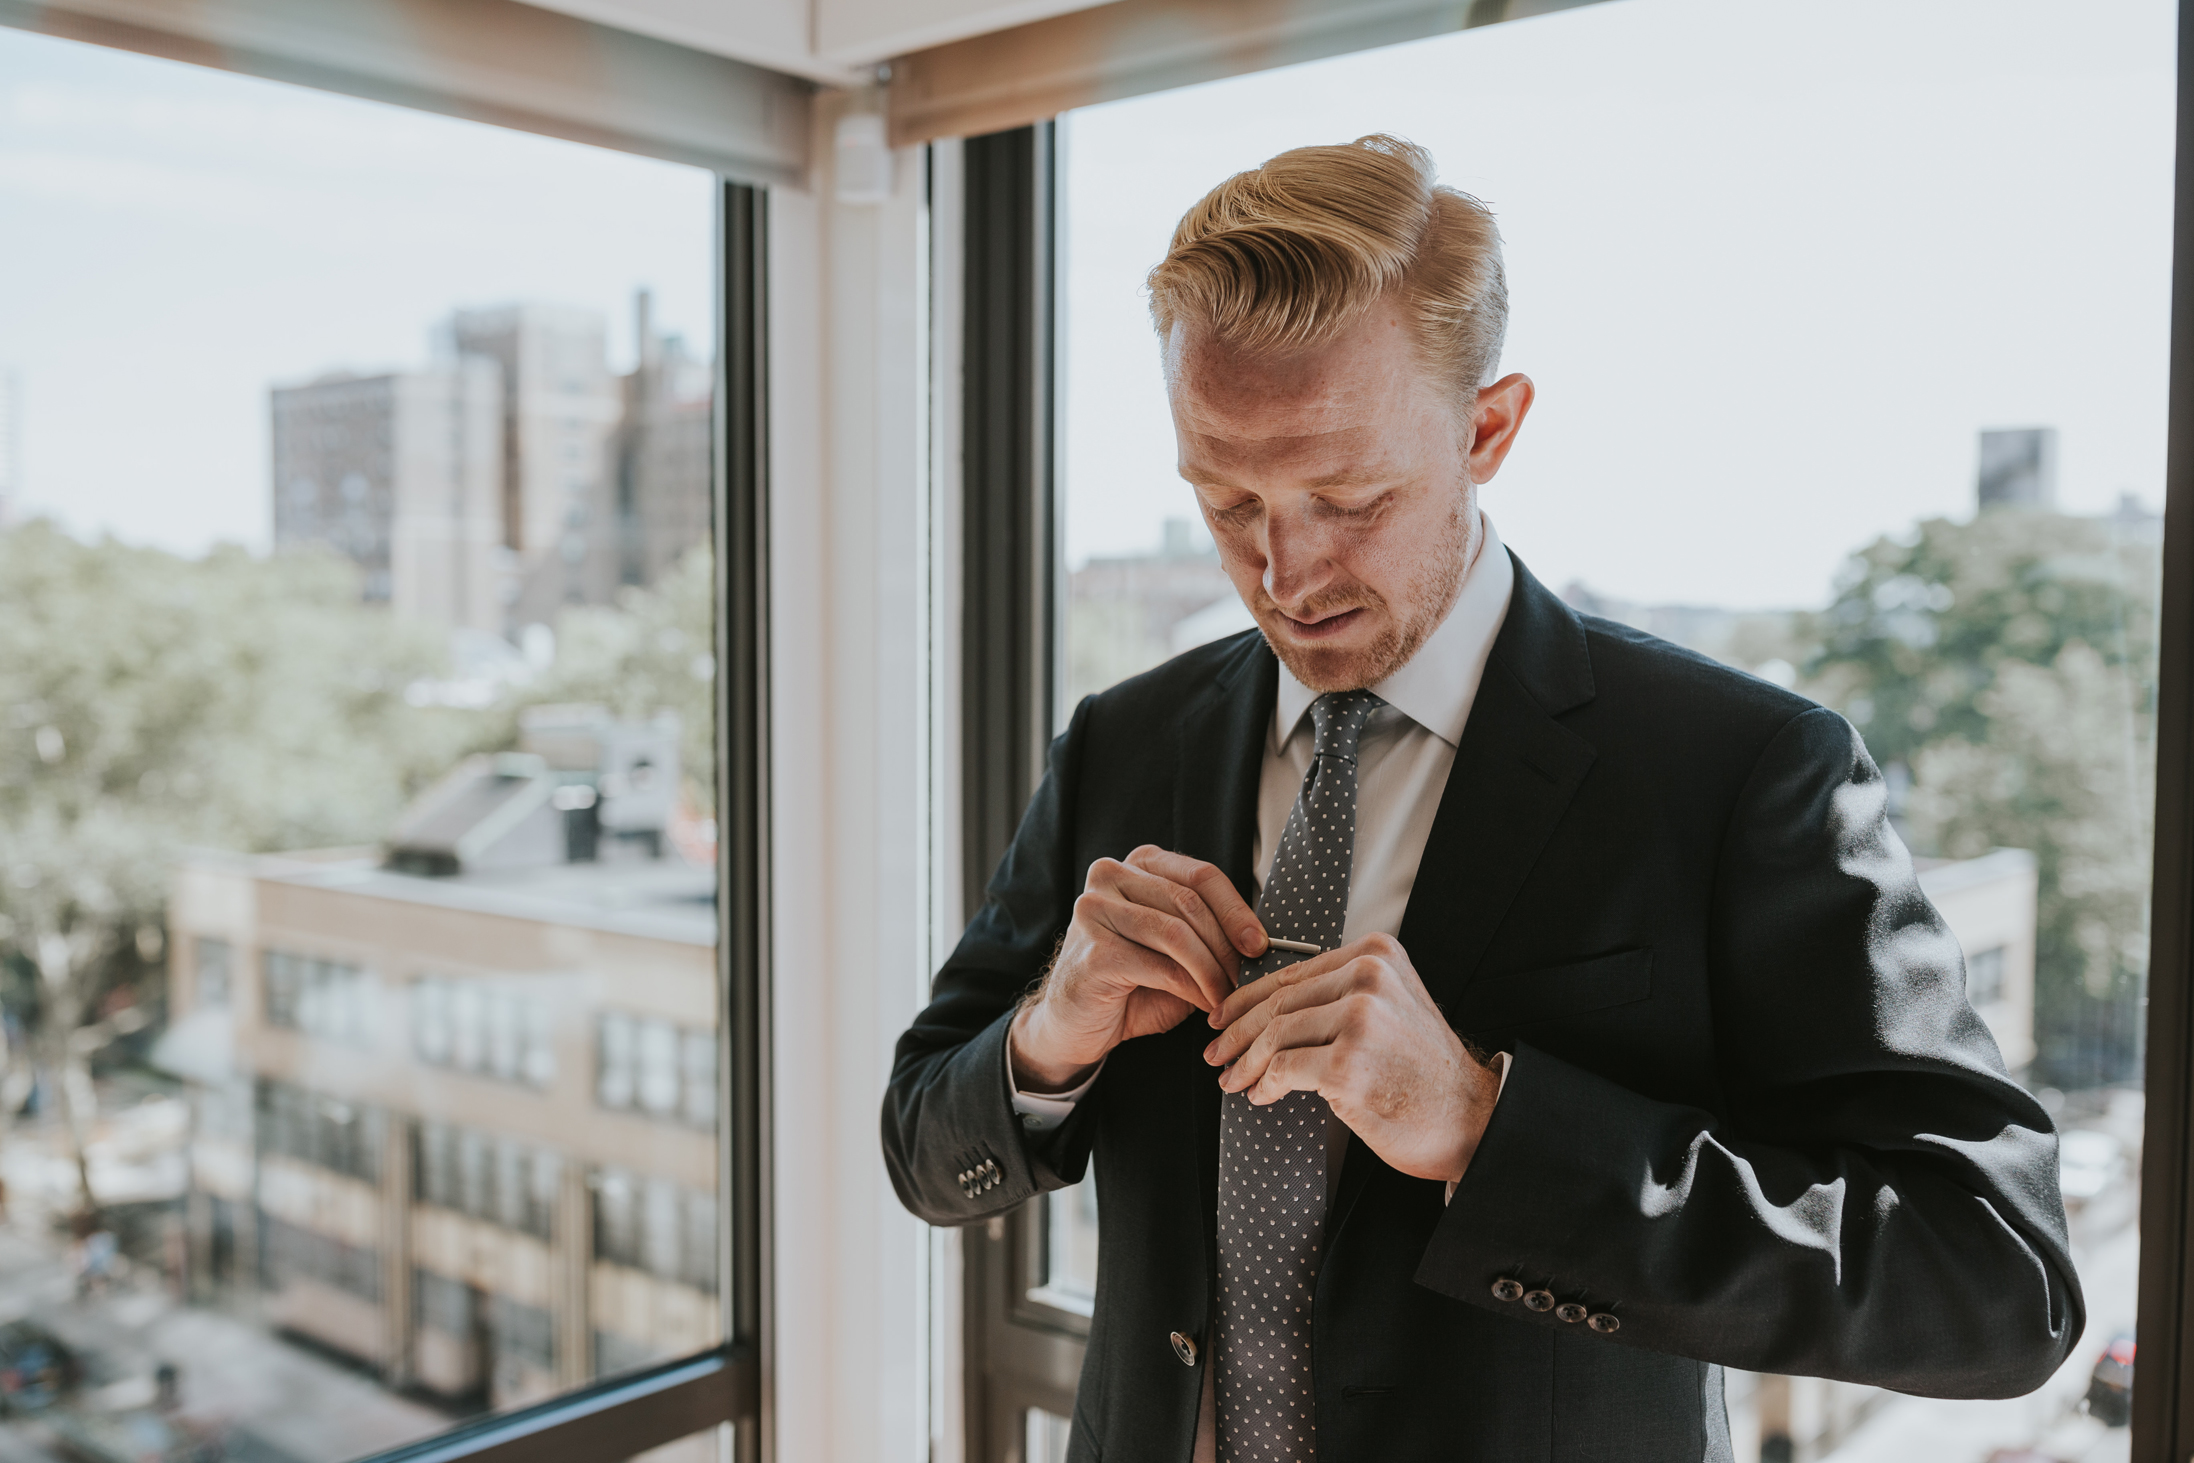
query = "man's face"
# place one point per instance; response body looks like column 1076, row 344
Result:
column 1339, row 486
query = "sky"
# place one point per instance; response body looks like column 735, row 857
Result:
column 175, row 240
column 1772, row 267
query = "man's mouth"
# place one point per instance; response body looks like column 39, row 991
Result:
column 1325, row 627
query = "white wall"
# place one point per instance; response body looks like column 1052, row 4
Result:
column 848, row 651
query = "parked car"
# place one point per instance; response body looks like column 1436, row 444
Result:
column 37, row 1369
column 2110, row 1386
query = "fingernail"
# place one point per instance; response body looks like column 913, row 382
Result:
column 1209, row 1050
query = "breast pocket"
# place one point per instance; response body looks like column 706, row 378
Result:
column 1508, row 1002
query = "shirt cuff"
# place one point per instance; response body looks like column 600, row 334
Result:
column 1041, row 1112
column 1500, row 1061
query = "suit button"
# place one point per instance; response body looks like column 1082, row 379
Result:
column 1507, row 1289
column 1185, row 1348
column 1605, row 1324
column 1539, row 1300
column 1569, row 1311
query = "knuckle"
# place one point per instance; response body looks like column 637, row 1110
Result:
column 1384, row 946
column 1106, row 868
column 1144, row 853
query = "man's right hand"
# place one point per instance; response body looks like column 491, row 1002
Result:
column 1152, row 939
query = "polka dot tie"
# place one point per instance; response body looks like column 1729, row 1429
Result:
column 1272, row 1159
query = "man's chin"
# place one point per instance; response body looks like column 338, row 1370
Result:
column 1325, row 668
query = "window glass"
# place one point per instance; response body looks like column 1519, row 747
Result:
column 1803, row 310
column 358, row 970
column 1044, row 1437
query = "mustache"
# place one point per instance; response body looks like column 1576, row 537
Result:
column 1326, row 602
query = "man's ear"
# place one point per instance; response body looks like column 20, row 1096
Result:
column 1502, row 408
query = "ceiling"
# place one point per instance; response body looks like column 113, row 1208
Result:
column 833, row 41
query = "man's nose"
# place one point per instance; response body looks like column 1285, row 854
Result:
column 1295, row 561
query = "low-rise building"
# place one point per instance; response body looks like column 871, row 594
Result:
column 462, row 1125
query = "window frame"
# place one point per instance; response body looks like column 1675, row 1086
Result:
column 1018, row 1352
column 2163, row 1405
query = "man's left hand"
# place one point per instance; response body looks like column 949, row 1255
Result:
column 1355, row 1026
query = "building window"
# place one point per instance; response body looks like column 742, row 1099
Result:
column 496, row 1179
column 653, row 1225
column 656, row 1067
column 341, row 1137
column 487, row 1028
column 1984, row 976
column 325, row 999
column 210, row 959
column 294, row 1253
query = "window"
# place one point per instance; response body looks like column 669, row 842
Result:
column 486, row 1027
column 1984, row 976
column 211, row 963
column 328, row 999
column 403, row 750
column 1981, row 601
column 656, row 1067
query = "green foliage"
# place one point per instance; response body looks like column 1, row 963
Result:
column 2008, row 663
column 652, row 652
column 149, row 703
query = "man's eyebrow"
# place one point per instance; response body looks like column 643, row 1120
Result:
column 1351, row 477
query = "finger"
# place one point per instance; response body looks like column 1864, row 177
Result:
column 1318, row 1026
column 1214, row 887
column 1297, row 995
column 1251, row 994
column 1298, row 1069
column 1147, row 968
column 1168, row 935
column 1163, row 894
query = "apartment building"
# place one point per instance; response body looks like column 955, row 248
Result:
column 400, row 473
column 462, row 1125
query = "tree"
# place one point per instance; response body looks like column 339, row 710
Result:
column 150, row 703
column 653, row 651
column 2007, row 665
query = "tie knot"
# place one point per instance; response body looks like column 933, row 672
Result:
column 1338, row 719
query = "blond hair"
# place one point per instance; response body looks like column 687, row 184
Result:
column 1289, row 255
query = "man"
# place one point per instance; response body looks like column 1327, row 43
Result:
column 1613, row 1043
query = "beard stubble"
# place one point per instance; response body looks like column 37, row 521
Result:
column 1432, row 588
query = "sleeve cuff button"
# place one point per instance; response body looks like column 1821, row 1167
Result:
column 1605, row 1324
column 1505, row 1289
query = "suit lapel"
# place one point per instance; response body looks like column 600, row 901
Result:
column 1515, row 771
column 1219, row 760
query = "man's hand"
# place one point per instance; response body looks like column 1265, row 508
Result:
column 1152, row 939
column 1355, row 1026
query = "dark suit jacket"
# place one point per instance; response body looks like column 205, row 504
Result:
column 1751, row 1114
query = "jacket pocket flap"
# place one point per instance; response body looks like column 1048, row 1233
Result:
column 1560, row 990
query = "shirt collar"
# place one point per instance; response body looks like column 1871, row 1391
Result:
column 1436, row 686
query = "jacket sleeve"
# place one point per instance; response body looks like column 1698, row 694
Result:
column 952, row 1142
column 1877, row 1202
